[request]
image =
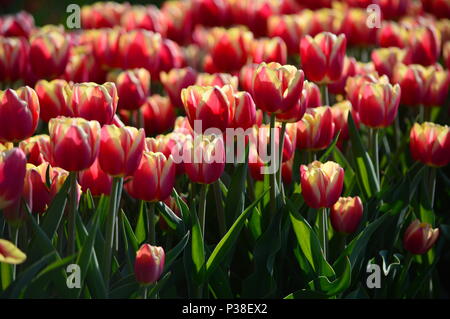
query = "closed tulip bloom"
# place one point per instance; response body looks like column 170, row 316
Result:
column 178, row 18
column 269, row 50
column 310, row 98
column 49, row 53
column 288, row 28
column 437, row 82
column 210, row 12
column 149, row 264
column 10, row 254
column 356, row 28
column 385, row 60
column 277, row 88
column 340, row 113
column 19, row 114
column 36, row 184
column 53, row 98
column 350, row 69
column 159, row 114
column 106, row 47
column 102, row 14
column 37, row 149
column 120, row 149
column 175, row 80
column 154, row 178
column 74, row 142
column 286, row 171
column 393, row 34
column 95, row 180
column 20, row 24
column 144, row 17
column 346, row 214
column 353, row 87
column 411, row 80
column 170, row 56
column 211, row 105
column 420, row 237
column 315, row 130
column 217, row 79
column 246, row 76
column 321, row 183
column 83, row 66
column 379, row 103
column 425, row 45
column 133, row 87
column 204, row 159
column 12, row 174
column 93, row 101
column 244, row 112
column 13, row 59
column 323, row 57
column 430, row 143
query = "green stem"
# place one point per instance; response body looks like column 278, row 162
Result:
column 140, row 119
column 403, row 274
column 373, row 143
column 151, row 224
column 219, row 208
column 323, row 231
column 272, row 177
column 325, row 95
column 432, row 184
column 114, row 200
column 427, row 114
column 73, row 203
column 280, row 156
column 202, row 208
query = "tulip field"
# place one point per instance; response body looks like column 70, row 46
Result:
column 222, row 149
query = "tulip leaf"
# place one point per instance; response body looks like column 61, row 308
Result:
column 185, row 212
column 171, row 218
column 159, row 285
column 334, row 287
column 140, row 230
column 324, row 157
column 172, row 255
column 197, row 250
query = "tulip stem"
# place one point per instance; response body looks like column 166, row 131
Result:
column 202, row 208
column 323, row 231
column 114, row 200
column 151, row 224
column 272, row 178
column 325, row 94
column 219, row 208
column 373, row 145
column 432, row 184
column 280, row 155
column 72, row 213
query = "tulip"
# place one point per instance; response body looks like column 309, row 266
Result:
column 419, row 237
column 217, row 79
column 36, row 149
column 93, row 101
column 124, row 145
column 107, row 47
column 353, row 87
column 74, row 142
column 378, row 103
column 244, row 112
column 277, row 88
column 346, row 214
column 178, row 18
column 210, row 12
column 83, row 67
column 411, row 80
column 53, row 98
column 385, row 60
column 133, row 87
column 144, row 17
column 149, row 264
column 246, row 76
column 323, row 57
column 19, row 114
column 12, row 174
column 158, row 113
column 10, row 254
column 13, row 59
column 175, row 80
column 340, row 113
column 170, row 202
column 20, row 24
column 310, row 98
column 356, row 28
column 102, row 14
column 213, row 106
column 182, row 126
column 269, row 50
column 49, row 53
column 290, row 28
column 154, row 178
column 204, row 158
column 316, row 129
column 321, row 183
column 437, row 82
column 425, row 45
column 430, row 144
column 170, row 56
column 36, row 185
column 286, row 171
column 253, row 14
column 96, row 180
column 393, row 34
column 350, row 69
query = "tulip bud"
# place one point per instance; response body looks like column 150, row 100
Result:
column 36, row 185
column 178, row 18
column 13, row 59
column 288, row 28
column 244, row 112
column 340, row 113
column 425, row 45
column 310, row 98
column 154, row 178
column 53, row 98
column 144, row 17
column 378, row 103
column 94, row 102
column 133, row 87
column 182, row 126
column 277, row 88
column 149, row 264
column 437, row 82
column 102, row 14
column 419, row 237
column 175, row 80
column 12, row 172
column 19, row 114
column 49, row 53
column 170, row 56
column 158, row 113
column 385, row 60
column 246, row 76
column 353, row 87
column 217, row 79
column 20, row 24
column 346, row 214
column 210, row 12
column 204, row 158
column 411, row 81
column 74, row 142
column 430, row 143
column 316, row 129
column 393, row 34
column 124, row 145
column 10, row 254
column 321, row 183
column 349, row 69
column 286, row 171
column 96, row 180
column 323, row 57
column 37, row 149
column 211, row 105
column 106, row 47
column 269, row 50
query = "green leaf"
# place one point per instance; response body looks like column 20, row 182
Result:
column 140, row 231
column 171, row 218
column 334, row 287
column 159, row 285
column 185, row 212
column 197, row 250
column 172, row 255
column 330, row 148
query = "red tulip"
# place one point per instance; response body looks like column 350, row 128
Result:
column 323, row 57
column 385, row 60
column 411, row 80
column 49, row 53
column 107, row 47
column 133, row 87
column 144, row 17
column 321, row 183
column 393, row 34
column 244, row 112
column 378, row 103
column 246, row 76
column 430, row 143
column 290, row 28
column 154, row 179
column 356, row 28
column 217, row 79
column 170, row 56
column 253, row 14
column 171, row 202
column 37, row 149
column 353, row 87
column 159, row 114
column 175, row 80
column 340, row 113
column 204, row 158
column 210, row 12
column 419, row 237
column 96, row 180
column 269, row 50
column 83, row 67
column 277, row 88
column 178, row 17
column 12, row 174
column 437, row 82
column 94, row 101
column 74, row 142
column 286, row 171
column 19, row 114
column 13, row 59
column 346, row 214
column 35, row 183
column 316, row 129
column 102, row 14
column 53, row 98
column 10, row 254
column 350, row 69
column 20, row 24
column 182, row 126
column 425, row 45
column 149, row 264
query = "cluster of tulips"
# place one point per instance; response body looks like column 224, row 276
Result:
column 115, row 142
